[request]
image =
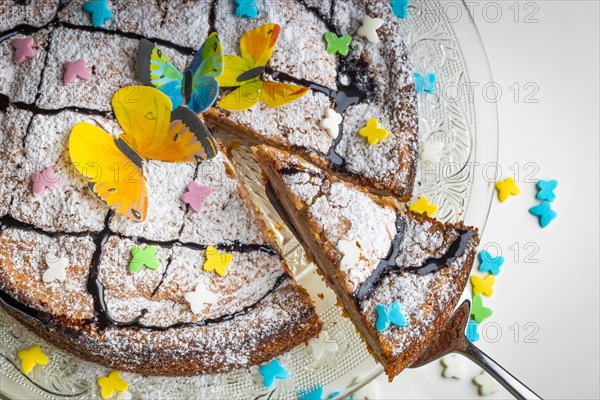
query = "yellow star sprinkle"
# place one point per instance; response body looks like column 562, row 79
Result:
column 373, row 132
column 423, row 206
column 32, row 357
column 483, row 285
column 506, row 188
column 216, row 261
column 111, row 384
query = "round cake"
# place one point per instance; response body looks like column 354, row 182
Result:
column 126, row 236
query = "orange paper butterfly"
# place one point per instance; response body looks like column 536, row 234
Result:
column 245, row 73
column 113, row 166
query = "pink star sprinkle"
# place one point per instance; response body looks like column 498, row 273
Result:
column 196, row 195
column 76, row 69
column 44, row 180
column 23, row 49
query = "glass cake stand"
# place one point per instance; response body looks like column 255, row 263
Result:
column 440, row 39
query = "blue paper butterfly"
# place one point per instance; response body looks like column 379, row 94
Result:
column 196, row 87
column 490, row 264
column 272, row 371
column 546, row 189
column 246, row 8
column 425, row 83
column 399, row 7
column 544, row 212
column 387, row 315
column 99, row 12
column 471, row 332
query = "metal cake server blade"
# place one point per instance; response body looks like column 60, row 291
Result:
column 452, row 339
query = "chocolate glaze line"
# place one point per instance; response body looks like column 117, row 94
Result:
column 431, row 265
column 31, row 107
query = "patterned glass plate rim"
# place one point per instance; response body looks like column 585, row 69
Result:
column 338, row 360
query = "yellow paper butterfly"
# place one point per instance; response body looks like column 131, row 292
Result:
column 113, row 166
column 216, row 261
column 244, row 73
column 483, row 285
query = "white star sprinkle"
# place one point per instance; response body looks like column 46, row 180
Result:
column 57, row 269
column 487, row 384
column 430, row 152
column 321, row 345
column 200, row 297
column 351, row 253
column 126, row 395
column 331, row 122
column 369, row 28
column 453, row 366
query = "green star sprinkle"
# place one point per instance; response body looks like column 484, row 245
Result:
column 478, row 311
column 337, row 44
column 143, row 257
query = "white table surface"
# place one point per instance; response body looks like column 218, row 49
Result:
column 559, row 134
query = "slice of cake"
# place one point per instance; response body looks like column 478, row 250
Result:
column 397, row 274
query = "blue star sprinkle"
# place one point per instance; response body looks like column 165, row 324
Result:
column 490, row 264
column 471, row 331
column 246, row 8
column 399, row 7
column 424, row 83
column 544, row 212
column 272, row 371
column 388, row 315
column 546, row 190
column 98, row 11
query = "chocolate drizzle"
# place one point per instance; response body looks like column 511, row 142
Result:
column 96, row 288
column 431, row 265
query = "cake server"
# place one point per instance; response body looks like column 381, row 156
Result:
column 452, row 339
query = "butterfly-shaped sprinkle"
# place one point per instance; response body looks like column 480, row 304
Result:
column 76, row 69
column 57, row 269
column 315, row 393
column 544, row 212
column 246, row 8
column 32, row 357
column 99, row 12
column 23, row 49
column 483, row 285
column 430, row 152
column 388, row 315
column 453, row 366
column 369, row 27
column 216, row 261
column 200, row 298
column 351, row 254
column 338, row 44
column 321, row 345
column 507, row 188
column 487, row 384
column 195, row 195
column 111, row 384
column 399, row 7
column 272, row 371
column 331, row 122
column 546, row 190
column 143, row 258
column 471, row 331
column 478, row 311
column 490, row 264
column 423, row 206
column 424, row 83
column 373, row 132
column 43, row 180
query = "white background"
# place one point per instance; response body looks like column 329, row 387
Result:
column 559, row 134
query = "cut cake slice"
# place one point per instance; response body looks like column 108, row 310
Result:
column 373, row 253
